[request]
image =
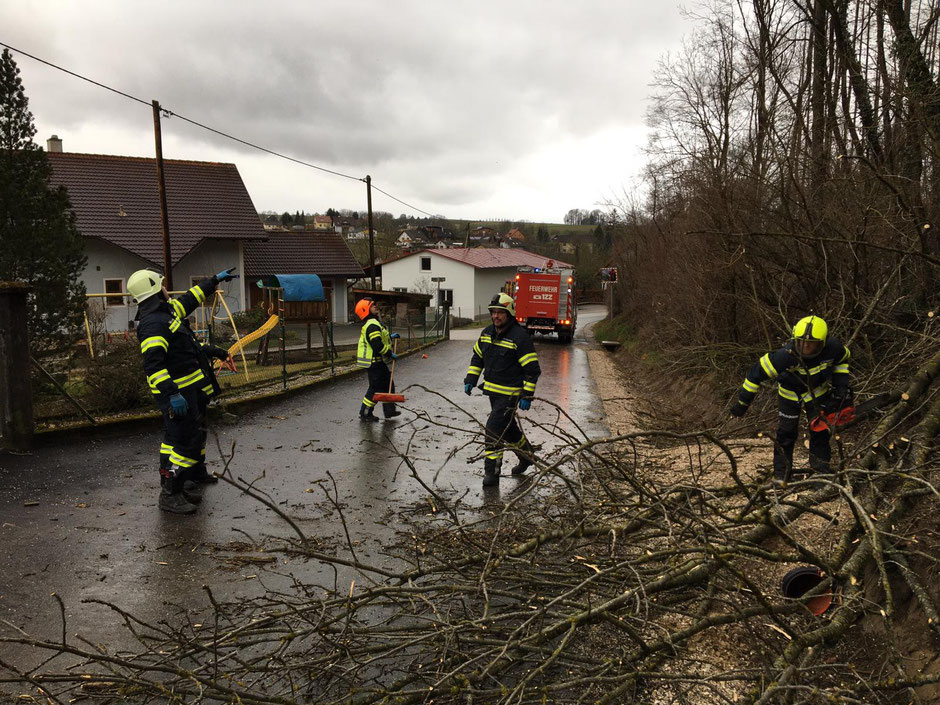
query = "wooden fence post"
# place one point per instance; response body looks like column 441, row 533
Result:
column 16, row 398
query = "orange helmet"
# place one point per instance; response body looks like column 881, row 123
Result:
column 362, row 308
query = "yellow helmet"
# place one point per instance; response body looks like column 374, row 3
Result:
column 143, row 284
column 811, row 328
column 504, row 302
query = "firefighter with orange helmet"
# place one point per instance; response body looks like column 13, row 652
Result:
column 374, row 352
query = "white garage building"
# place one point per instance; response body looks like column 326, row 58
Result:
column 471, row 276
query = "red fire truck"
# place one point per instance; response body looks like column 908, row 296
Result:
column 545, row 300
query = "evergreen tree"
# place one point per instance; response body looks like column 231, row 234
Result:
column 39, row 241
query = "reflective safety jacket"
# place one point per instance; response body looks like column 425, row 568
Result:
column 507, row 360
column 798, row 379
column 374, row 343
column 173, row 357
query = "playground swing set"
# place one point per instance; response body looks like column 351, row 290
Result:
column 294, row 298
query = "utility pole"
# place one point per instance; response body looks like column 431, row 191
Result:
column 371, row 231
column 161, row 186
column 610, row 285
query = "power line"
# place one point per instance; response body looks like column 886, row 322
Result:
column 72, row 73
column 170, row 113
column 401, row 201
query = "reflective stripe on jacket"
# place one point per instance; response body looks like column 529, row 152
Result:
column 507, row 361
column 173, row 358
column 374, row 342
column 798, row 379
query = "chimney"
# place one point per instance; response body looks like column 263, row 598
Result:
column 54, row 144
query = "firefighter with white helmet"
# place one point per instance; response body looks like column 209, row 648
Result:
column 505, row 356
column 182, row 380
column 812, row 373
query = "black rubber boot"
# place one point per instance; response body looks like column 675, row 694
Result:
column 525, row 459
column 367, row 414
column 393, row 413
column 191, row 489
column 490, row 472
column 201, row 476
column 783, row 463
column 171, row 497
column 819, row 466
column 783, row 471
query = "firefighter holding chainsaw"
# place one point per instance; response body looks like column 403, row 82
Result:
column 812, row 373
column 504, row 354
column 375, row 352
column 182, row 380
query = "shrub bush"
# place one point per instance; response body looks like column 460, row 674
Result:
column 116, row 379
column 249, row 320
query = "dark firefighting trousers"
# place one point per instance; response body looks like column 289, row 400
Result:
column 379, row 378
column 502, row 430
column 184, row 437
column 788, row 425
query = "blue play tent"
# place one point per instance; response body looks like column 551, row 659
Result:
column 297, row 287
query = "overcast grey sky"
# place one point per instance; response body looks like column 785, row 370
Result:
column 507, row 109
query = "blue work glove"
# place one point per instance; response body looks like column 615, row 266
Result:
column 525, row 403
column 178, row 405
column 393, row 356
column 467, row 388
column 225, row 275
column 394, row 335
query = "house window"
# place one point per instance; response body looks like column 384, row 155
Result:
column 114, row 286
column 425, row 264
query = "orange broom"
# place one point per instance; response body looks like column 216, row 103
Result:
column 390, row 398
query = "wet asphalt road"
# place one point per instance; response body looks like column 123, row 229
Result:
column 81, row 519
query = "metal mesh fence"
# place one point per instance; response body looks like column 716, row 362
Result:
column 103, row 377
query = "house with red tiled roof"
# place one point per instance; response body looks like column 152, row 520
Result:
column 322, row 222
column 471, row 276
column 325, row 254
column 117, row 209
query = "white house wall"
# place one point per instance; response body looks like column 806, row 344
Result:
column 210, row 257
column 406, row 273
column 489, row 283
column 105, row 261
column 473, row 288
column 338, row 303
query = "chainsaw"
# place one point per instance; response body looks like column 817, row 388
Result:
column 849, row 414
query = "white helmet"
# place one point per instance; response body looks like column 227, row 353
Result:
column 143, row 284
